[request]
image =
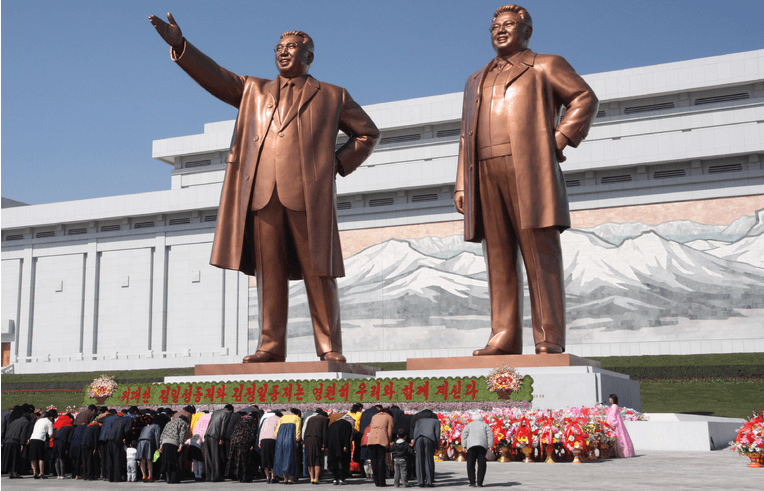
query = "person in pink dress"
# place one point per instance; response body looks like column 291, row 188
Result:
column 623, row 445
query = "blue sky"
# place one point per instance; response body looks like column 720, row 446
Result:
column 88, row 85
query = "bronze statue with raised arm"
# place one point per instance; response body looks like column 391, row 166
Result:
column 509, row 185
column 277, row 218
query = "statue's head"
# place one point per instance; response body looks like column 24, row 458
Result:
column 294, row 54
column 511, row 30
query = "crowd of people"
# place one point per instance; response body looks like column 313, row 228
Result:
column 276, row 445
column 133, row 444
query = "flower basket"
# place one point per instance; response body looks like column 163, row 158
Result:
column 750, row 440
column 102, row 388
column 503, row 381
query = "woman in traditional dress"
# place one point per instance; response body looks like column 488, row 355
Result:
column 243, row 441
column 288, row 460
column 339, row 441
column 623, row 445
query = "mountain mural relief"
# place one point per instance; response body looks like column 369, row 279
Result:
column 618, row 277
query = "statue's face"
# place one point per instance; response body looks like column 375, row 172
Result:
column 508, row 34
column 293, row 60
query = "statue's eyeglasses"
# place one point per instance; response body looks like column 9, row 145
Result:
column 508, row 26
column 289, row 47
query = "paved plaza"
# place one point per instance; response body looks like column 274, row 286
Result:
column 718, row 470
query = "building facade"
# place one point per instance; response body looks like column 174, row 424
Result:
column 666, row 253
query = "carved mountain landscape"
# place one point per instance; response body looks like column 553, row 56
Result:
column 618, row 276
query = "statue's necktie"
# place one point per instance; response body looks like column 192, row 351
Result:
column 286, row 103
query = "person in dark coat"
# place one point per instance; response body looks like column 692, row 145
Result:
column 423, row 414
column 116, row 429
column 15, row 437
column 214, row 444
column 404, row 421
column 232, row 422
column 86, row 416
column 314, row 439
column 75, row 454
column 339, row 440
column 242, row 446
column 400, row 451
column 61, row 442
column 161, row 419
column 426, row 439
column 91, row 462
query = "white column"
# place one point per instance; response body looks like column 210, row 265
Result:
column 159, row 294
column 90, row 303
column 27, row 299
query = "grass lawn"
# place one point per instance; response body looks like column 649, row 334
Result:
column 726, row 398
column 44, row 398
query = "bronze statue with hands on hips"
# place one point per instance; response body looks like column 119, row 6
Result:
column 277, row 218
column 509, row 185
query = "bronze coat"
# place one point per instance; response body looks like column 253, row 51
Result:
column 540, row 85
column 323, row 110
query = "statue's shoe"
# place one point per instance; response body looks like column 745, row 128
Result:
column 263, row 357
column 548, row 348
column 490, row 351
column 333, row 356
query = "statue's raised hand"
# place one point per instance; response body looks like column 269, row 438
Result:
column 169, row 32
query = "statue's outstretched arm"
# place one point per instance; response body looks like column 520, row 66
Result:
column 170, row 32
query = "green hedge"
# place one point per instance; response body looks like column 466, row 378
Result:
column 384, row 390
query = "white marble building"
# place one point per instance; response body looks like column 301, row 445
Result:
column 124, row 281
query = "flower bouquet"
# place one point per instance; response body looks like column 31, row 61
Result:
column 503, row 381
column 750, row 440
column 550, row 433
column 523, row 439
column 101, row 388
column 575, row 439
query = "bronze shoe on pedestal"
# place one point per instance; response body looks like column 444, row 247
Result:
column 333, row 356
column 548, row 348
column 490, row 351
column 262, row 357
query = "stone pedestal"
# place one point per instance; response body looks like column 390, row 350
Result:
column 283, row 367
column 554, row 360
column 300, row 370
column 554, row 387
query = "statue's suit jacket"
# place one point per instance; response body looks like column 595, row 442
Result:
column 323, row 110
column 540, row 85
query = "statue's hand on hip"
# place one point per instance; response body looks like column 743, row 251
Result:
column 561, row 141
